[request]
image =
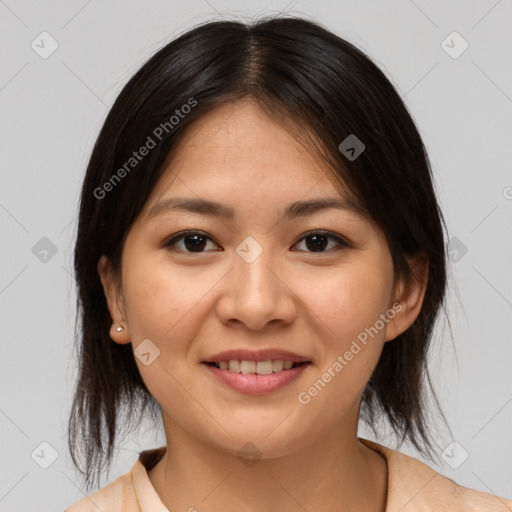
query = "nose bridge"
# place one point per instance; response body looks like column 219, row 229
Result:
column 252, row 268
column 255, row 295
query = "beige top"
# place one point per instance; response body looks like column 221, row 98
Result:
column 412, row 487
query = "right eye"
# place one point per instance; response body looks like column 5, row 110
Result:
column 192, row 242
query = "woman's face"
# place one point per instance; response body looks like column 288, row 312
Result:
column 256, row 286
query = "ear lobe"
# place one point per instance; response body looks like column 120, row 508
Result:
column 114, row 297
column 410, row 295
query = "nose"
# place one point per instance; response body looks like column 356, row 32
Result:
column 256, row 294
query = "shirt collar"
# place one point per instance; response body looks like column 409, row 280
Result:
column 148, row 499
column 408, row 480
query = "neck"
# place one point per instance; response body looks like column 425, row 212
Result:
column 335, row 473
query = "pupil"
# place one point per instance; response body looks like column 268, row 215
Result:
column 319, row 242
column 198, row 242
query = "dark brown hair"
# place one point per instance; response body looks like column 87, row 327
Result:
column 323, row 88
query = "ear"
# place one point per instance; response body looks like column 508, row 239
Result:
column 408, row 297
column 113, row 294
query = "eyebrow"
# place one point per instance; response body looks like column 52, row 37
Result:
column 214, row 208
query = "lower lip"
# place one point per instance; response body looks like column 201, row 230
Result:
column 253, row 384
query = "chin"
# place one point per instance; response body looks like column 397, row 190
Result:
column 253, row 438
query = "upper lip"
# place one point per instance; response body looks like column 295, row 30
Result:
column 257, row 355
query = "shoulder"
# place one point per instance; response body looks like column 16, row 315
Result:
column 130, row 492
column 414, row 486
column 118, row 496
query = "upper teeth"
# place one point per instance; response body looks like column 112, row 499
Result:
column 259, row 367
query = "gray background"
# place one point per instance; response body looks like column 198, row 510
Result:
column 52, row 110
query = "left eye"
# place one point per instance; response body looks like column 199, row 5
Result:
column 195, row 241
column 319, row 239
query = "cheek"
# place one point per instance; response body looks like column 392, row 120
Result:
column 159, row 298
column 162, row 304
column 346, row 307
column 349, row 300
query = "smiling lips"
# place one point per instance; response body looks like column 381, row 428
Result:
column 256, row 372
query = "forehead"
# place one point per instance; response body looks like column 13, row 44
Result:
column 238, row 151
column 237, row 124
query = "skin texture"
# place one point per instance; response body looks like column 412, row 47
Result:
column 192, row 306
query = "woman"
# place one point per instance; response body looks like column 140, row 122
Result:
column 260, row 261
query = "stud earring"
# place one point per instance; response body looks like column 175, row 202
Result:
column 119, row 329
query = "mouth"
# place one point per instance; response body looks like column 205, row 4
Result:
column 256, row 373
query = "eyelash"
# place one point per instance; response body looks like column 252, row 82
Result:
column 169, row 243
